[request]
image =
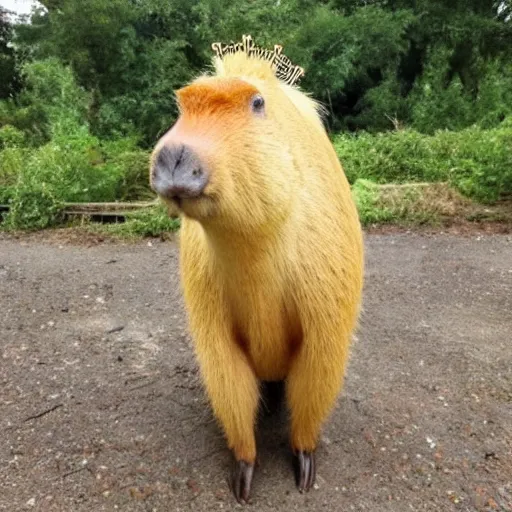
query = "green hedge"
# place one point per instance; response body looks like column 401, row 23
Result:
column 477, row 162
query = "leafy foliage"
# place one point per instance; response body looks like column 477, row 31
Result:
column 346, row 57
column 478, row 162
column 10, row 80
column 366, row 197
column 51, row 104
column 371, row 63
column 436, row 106
column 88, row 87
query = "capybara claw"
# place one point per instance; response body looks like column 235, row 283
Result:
column 242, row 480
column 305, row 470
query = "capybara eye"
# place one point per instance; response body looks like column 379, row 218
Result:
column 258, row 103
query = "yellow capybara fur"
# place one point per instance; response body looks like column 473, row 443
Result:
column 271, row 251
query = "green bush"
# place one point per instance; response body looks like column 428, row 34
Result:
column 65, row 163
column 11, row 137
column 51, row 104
column 78, row 168
column 33, row 208
column 366, row 197
column 435, row 105
column 133, row 166
column 11, row 161
column 477, row 162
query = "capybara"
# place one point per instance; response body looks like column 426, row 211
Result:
column 271, row 247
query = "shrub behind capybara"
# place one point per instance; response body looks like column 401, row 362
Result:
column 271, row 251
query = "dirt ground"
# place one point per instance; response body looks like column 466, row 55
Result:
column 101, row 408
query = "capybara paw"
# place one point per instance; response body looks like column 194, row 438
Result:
column 305, row 470
column 242, row 480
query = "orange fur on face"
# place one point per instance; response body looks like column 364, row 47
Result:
column 210, row 113
column 272, row 270
column 228, row 97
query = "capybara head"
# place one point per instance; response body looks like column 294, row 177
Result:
column 232, row 156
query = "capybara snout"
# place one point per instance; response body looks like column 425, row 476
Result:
column 178, row 172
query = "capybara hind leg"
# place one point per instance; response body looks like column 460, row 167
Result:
column 313, row 383
column 234, row 394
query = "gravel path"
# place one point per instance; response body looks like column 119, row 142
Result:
column 101, row 408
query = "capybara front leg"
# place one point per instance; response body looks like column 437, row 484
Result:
column 234, row 394
column 313, row 383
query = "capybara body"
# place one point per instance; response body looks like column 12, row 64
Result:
column 271, row 251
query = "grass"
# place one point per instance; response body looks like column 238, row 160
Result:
column 153, row 221
column 416, row 204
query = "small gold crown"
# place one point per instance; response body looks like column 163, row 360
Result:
column 283, row 67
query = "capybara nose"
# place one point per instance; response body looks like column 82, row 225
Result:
column 178, row 173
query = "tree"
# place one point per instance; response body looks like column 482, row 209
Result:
column 368, row 61
column 9, row 84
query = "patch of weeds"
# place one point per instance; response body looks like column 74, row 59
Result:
column 410, row 203
column 32, row 209
column 149, row 222
column 366, row 197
